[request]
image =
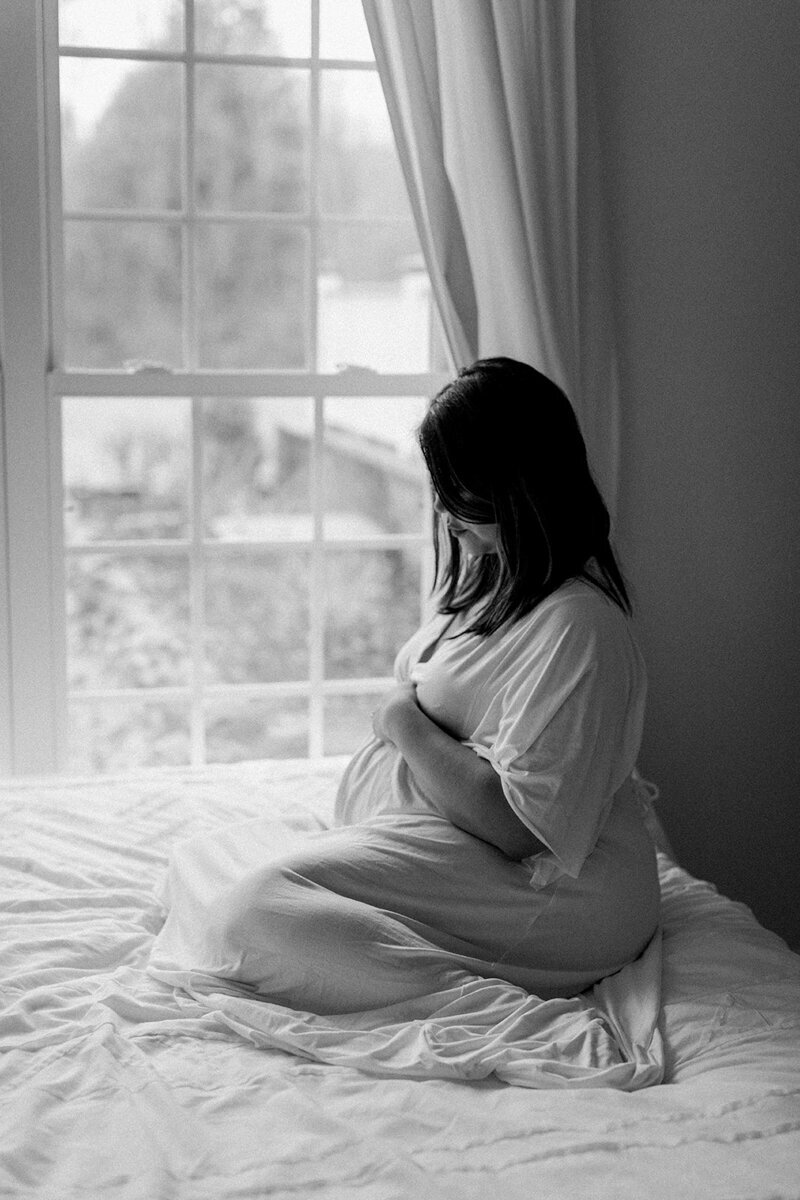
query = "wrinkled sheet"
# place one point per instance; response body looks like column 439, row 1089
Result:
column 113, row 1084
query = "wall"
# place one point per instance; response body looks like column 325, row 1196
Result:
column 699, row 110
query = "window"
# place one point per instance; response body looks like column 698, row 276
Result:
column 215, row 528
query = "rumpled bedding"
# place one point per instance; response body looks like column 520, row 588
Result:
column 116, row 1085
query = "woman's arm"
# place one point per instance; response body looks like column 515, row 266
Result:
column 463, row 787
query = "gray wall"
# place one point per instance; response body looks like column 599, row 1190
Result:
column 699, row 106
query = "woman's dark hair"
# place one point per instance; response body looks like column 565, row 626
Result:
column 502, row 445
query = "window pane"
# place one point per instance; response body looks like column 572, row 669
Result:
column 242, row 27
column 373, row 607
column 359, row 169
column 122, row 293
column 127, row 621
column 126, row 468
column 121, row 134
column 252, row 305
column 343, row 31
column 374, row 301
column 348, row 722
column 256, row 469
column 374, row 472
column 117, row 736
column 251, row 150
column 239, row 729
column 257, row 617
column 121, row 24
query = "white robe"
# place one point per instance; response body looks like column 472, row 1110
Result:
column 401, row 944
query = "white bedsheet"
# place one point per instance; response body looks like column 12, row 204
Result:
column 113, row 1086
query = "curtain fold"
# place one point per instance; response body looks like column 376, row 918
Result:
column 404, row 40
column 492, row 107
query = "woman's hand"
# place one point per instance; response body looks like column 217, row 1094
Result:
column 456, row 783
column 391, row 710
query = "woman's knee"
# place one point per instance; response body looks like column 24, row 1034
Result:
column 276, row 932
column 256, row 907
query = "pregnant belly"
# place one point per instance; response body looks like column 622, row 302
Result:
column 377, row 780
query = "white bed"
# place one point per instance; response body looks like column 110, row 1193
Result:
column 113, row 1087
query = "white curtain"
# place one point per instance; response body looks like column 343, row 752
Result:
column 492, row 107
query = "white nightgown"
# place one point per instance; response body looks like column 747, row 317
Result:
column 395, row 910
column 555, row 704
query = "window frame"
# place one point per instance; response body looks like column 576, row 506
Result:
column 33, row 656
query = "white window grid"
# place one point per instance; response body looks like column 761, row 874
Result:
column 200, row 550
column 41, row 363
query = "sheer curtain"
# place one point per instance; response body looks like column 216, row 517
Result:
column 492, row 108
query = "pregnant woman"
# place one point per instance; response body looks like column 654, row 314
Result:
column 492, row 825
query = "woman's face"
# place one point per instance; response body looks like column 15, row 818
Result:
column 474, row 540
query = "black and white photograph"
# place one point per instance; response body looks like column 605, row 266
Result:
column 399, row 577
